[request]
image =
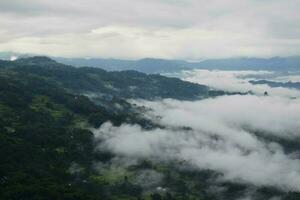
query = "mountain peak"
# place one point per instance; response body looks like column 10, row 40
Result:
column 36, row 60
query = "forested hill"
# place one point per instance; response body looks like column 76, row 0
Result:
column 48, row 150
column 125, row 84
column 152, row 65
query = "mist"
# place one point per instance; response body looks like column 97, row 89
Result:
column 245, row 138
column 230, row 134
column 238, row 81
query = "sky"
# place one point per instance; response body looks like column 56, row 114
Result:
column 131, row 29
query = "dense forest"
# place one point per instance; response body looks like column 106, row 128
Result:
column 48, row 151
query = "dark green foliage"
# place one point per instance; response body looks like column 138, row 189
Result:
column 156, row 196
column 40, row 139
column 48, row 152
column 126, row 84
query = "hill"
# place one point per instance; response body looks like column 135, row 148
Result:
column 124, row 84
column 272, row 64
column 48, row 150
column 289, row 84
column 153, row 65
column 150, row 65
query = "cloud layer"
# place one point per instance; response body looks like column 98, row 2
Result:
column 234, row 81
column 190, row 29
column 220, row 138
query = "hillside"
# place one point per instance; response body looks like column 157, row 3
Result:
column 150, row 65
column 125, row 84
column 154, row 65
column 48, row 147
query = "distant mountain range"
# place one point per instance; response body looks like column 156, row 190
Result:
column 153, row 65
column 289, row 84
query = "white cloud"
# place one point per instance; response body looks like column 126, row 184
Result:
column 218, row 139
column 234, row 81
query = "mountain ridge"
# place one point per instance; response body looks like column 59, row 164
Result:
column 153, row 65
column 123, row 84
column 49, row 150
column 157, row 65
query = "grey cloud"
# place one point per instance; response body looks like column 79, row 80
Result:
column 254, row 28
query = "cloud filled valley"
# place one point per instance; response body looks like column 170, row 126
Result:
column 150, row 100
column 250, row 139
column 230, row 134
column 149, row 136
column 234, row 81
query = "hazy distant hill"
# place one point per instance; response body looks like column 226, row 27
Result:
column 153, row 65
column 274, row 64
column 289, row 84
column 150, row 65
column 147, row 65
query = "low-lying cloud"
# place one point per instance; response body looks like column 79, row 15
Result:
column 220, row 137
column 235, row 81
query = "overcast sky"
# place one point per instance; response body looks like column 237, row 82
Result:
column 181, row 29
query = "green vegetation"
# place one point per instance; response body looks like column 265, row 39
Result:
column 126, row 84
column 48, row 152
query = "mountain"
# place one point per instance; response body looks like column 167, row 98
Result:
column 152, row 65
column 48, row 115
column 37, row 61
column 47, row 149
column 272, row 64
column 146, row 65
column 106, row 64
column 289, row 84
column 123, row 84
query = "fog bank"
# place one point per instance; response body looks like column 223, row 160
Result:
column 220, row 137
